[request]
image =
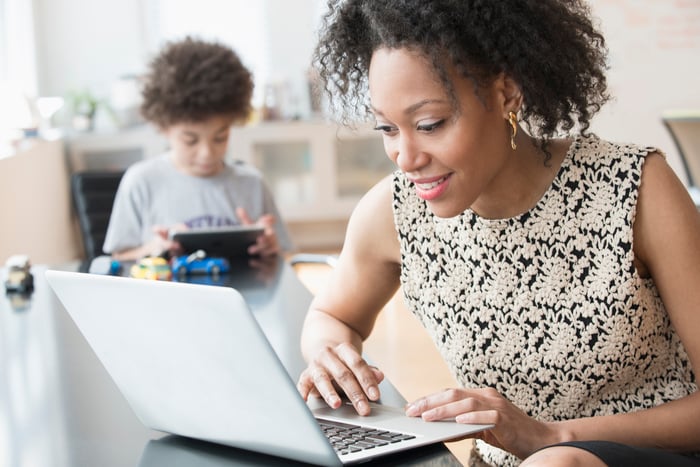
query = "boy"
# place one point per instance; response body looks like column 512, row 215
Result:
column 194, row 92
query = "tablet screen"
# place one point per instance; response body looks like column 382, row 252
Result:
column 223, row 241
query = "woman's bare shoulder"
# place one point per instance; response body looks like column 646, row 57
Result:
column 371, row 227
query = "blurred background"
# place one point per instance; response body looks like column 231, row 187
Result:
column 69, row 86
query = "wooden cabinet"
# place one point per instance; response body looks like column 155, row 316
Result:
column 36, row 205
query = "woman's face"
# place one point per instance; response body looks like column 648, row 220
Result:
column 453, row 153
column 199, row 148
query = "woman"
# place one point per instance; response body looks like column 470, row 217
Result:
column 557, row 274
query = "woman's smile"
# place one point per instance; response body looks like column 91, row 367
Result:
column 429, row 189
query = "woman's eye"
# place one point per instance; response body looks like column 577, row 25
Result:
column 386, row 129
column 430, row 127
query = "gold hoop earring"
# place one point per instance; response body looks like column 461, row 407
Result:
column 513, row 120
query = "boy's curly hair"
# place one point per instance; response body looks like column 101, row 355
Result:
column 192, row 80
column 549, row 47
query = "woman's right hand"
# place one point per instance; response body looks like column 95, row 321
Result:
column 341, row 370
column 342, row 315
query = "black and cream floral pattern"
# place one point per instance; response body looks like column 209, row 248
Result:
column 547, row 307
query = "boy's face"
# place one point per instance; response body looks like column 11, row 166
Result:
column 199, row 148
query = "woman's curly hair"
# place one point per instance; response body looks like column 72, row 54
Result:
column 549, row 47
column 191, row 80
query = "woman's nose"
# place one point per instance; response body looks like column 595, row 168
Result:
column 407, row 155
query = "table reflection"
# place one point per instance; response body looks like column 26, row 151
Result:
column 59, row 407
column 185, row 452
column 253, row 278
column 32, row 428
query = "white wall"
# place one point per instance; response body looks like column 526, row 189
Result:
column 654, row 54
column 90, row 44
column 87, row 44
column 654, row 66
column 291, row 29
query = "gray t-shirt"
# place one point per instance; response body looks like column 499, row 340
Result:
column 153, row 192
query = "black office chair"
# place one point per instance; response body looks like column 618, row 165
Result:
column 93, row 196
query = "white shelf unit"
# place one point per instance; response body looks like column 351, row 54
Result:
column 112, row 150
column 317, row 171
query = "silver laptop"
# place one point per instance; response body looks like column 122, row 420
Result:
column 193, row 360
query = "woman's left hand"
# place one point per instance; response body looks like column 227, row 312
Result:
column 514, row 430
column 267, row 244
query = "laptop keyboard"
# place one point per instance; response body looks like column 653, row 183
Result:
column 347, row 438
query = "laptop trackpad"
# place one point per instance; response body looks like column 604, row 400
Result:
column 348, row 412
column 388, row 418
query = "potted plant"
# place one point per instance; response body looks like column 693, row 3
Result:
column 83, row 106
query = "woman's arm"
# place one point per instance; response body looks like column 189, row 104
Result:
column 343, row 314
column 667, row 248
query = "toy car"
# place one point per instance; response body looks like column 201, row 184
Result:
column 19, row 279
column 199, row 263
column 105, row 265
column 155, row 268
column 19, row 301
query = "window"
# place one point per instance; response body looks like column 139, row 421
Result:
column 17, row 57
column 18, row 80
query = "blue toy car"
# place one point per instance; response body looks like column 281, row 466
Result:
column 199, row 263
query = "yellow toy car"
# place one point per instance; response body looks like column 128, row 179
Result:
column 155, row 268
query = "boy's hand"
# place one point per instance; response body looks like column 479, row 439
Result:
column 161, row 242
column 266, row 244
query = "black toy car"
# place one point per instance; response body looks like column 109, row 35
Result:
column 19, row 279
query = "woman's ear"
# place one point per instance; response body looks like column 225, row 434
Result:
column 508, row 93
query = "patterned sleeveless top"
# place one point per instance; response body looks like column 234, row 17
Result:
column 546, row 307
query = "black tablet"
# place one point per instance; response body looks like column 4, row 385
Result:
column 228, row 242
